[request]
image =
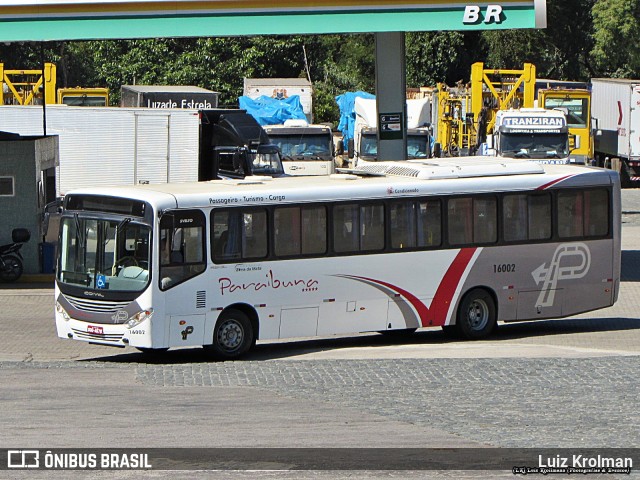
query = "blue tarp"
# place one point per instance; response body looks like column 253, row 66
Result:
column 272, row 111
column 346, row 103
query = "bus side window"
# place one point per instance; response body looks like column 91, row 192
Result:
column 429, row 223
column 371, row 227
column 314, row 230
column 596, row 212
column 485, row 226
column 514, row 217
column 345, row 228
column 226, row 235
column 539, row 217
column 403, row 224
column 358, row 228
column 181, row 248
column 570, row 214
column 254, row 238
column 300, row 230
column 460, row 230
column 286, row 223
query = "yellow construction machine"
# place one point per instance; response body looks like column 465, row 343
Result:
column 38, row 86
column 466, row 113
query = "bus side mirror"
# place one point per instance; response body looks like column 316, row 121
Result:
column 340, row 147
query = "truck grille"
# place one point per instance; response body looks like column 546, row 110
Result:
column 96, row 306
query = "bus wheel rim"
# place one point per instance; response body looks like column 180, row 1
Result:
column 478, row 314
column 230, row 335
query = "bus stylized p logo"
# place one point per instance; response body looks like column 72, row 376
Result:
column 23, row 459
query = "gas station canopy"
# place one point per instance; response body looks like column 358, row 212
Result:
column 32, row 20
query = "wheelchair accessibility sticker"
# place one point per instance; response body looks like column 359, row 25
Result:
column 570, row 261
column 101, row 281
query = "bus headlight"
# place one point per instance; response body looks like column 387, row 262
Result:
column 139, row 317
column 62, row 312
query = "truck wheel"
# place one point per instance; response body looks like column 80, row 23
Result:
column 233, row 335
column 476, row 315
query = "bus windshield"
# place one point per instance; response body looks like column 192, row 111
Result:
column 110, row 254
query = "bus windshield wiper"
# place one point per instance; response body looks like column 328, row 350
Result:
column 123, row 223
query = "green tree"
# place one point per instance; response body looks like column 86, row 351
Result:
column 616, row 48
column 434, row 57
column 561, row 51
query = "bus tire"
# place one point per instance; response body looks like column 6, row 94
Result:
column 476, row 315
column 233, row 335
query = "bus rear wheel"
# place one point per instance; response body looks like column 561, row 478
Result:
column 233, row 335
column 476, row 315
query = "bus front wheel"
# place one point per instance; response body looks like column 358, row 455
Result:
column 233, row 335
column 476, row 315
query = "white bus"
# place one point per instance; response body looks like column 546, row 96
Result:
column 458, row 243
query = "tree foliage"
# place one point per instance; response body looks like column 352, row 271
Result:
column 616, row 50
column 561, row 51
column 584, row 39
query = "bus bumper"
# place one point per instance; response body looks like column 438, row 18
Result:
column 104, row 334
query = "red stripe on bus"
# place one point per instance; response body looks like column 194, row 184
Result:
column 437, row 314
column 444, row 295
column 547, row 185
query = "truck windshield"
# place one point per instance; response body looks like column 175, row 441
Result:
column 527, row 145
column 303, row 147
column 84, row 101
column 369, row 146
column 100, row 254
column 577, row 109
column 418, row 146
column 266, row 163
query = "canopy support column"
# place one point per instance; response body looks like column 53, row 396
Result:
column 391, row 96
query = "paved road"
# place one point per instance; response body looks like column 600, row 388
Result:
column 564, row 383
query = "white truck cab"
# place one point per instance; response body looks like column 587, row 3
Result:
column 536, row 134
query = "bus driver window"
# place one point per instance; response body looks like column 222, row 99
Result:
column 181, row 248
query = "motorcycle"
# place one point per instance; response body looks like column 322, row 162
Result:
column 11, row 266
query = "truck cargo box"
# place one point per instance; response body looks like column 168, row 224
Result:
column 616, row 110
column 105, row 146
column 282, row 88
